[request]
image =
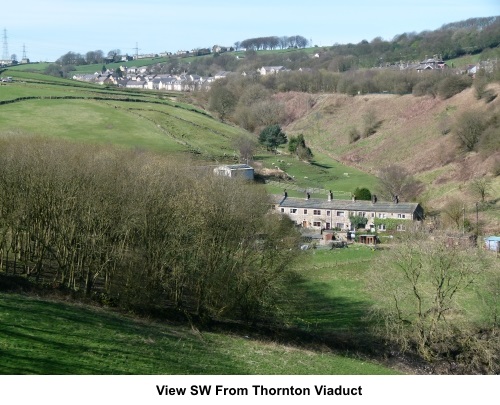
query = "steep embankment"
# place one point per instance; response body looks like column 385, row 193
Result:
column 415, row 132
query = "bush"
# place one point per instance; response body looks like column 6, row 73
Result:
column 418, row 292
column 362, row 194
column 370, row 124
column 452, row 85
column 469, row 128
column 427, row 86
column 354, row 135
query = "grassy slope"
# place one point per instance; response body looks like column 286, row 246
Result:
column 157, row 124
column 47, row 337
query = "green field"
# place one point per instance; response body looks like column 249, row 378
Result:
column 86, row 113
column 332, row 286
column 49, row 337
column 42, row 336
column 320, row 174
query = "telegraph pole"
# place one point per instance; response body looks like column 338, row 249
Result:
column 136, row 51
column 5, row 54
column 477, row 223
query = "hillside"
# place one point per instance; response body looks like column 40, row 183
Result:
column 42, row 105
column 332, row 302
column 409, row 133
column 50, row 337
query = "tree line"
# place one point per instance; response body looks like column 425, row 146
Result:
column 273, row 42
column 140, row 231
column 254, row 102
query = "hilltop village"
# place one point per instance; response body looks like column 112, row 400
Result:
column 144, row 77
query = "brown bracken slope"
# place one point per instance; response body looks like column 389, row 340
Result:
column 415, row 132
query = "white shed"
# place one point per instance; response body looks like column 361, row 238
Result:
column 240, row 171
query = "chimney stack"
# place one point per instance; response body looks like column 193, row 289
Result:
column 330, row 195
column 374, row 198
column 308, row 196
column 286, row 194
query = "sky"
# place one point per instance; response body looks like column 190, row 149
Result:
column 48, row 29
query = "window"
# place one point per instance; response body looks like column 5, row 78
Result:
column 340, row 213
column 381, row 227
column 402, row 216
column 283, row 210
column 327, row 213
column 361, row 213
column 317, row 212
column 373, row 215
column 401, row 228
column 293, row 210
column 339, row 225
column 381, row 215
column 317, row 223
column 305, row 211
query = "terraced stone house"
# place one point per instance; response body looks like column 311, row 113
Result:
column 328, row 213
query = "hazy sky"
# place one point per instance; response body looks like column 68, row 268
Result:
column 50, row 28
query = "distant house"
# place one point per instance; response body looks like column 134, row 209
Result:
column 329, row 213
column 267, row 70
column 85, row 77
column 135, row 84
column 6, row 62
column 492, row 243
column 471, row 70
column 221, row 75
column 106, row 79
column 240, row 171
column 434, row 63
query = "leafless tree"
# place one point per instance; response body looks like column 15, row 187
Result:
column 417, row 289
column 481, row 187
column 395, row 180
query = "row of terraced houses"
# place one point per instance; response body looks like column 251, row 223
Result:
column 324, row 214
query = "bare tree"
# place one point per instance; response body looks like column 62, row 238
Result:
column 395, row 181
column 246, row 147
column 468, row 129
column 417, row 289
column 481, row 187
column 145, row 231
column 454, row 211
column 222, row 100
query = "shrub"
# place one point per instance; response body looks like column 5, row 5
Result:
column 468, row 129
column 427, row 86
column 370, row 124
column 452, row 85
column 362, row 194
column 354, row 135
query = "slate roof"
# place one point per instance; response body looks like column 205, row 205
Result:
column 347, row 205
